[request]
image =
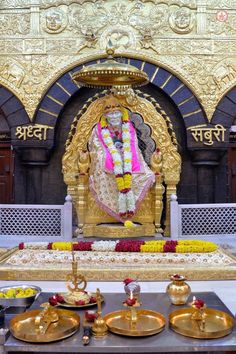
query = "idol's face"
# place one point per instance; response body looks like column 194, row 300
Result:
column 114, row 118
column 113, row 114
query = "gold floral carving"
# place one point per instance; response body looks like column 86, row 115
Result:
column 219, row 28
column 48, row 38
column 162, row 273
column 14, row 24
column 167, row 168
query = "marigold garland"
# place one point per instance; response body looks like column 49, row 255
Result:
column 182, row 246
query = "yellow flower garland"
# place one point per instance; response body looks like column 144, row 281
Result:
column 184, row 246
column 62, row 246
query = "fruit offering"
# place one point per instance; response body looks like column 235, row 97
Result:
column 13, row 293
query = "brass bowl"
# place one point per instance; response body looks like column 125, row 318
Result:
column 23, row 326
column 20, row 301
column 148, row 323
column 217, row 323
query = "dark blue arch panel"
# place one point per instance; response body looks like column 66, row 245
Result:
column 62, row 90
column 225, row 112
column 12, row 108
column 55, row 99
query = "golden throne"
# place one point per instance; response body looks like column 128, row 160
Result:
column 165, row 162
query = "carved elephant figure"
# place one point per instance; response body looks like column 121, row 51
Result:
column 223, row 74
column 14, row 73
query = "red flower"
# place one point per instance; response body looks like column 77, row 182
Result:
column 198, row 303
column 177, row 276
column 60, row 298
column 92, row 299
column 91, row 316
column 130, row 302
column 21, row 246
column 125, row 190
column 83, row 246
column 80, row 302
column 49, row 247
column 128, row 246
column 53, row 300
column 170, row 246
column 127, row 281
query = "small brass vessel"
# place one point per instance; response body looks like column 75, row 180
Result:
column 178, row 291
column 99, row 328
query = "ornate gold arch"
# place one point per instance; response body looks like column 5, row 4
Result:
column 165, row 162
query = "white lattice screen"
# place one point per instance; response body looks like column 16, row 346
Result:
column 21, row 223
column 30, row 222
column 196, row 220
column 208, row 221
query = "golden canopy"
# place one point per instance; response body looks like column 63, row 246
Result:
column 109, row 74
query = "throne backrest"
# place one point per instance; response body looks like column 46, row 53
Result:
column 158, row 145
column 152, row 129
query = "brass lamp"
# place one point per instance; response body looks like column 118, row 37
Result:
column 109, row 74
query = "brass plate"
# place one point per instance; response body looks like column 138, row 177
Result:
column 68, row 305
column 217, row 323
column 23, row 326
column 148, row 323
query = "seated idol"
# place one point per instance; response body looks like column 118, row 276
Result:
column 119, row 176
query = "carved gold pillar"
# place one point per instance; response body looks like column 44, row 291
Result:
column 35, row 17
column 158, row 191
column 170, row 189
column 201, row 16
column 82, row 200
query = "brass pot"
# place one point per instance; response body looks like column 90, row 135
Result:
column 178, row 291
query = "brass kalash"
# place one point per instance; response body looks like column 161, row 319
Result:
column 164, row 161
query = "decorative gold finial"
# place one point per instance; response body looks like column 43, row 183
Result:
column 110, row 49
column 75, row 278
column 99, row 328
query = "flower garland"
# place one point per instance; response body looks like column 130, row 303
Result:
column 182, row 246
column 122, row 169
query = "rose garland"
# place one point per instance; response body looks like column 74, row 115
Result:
column 182, row 246
column 122, row 170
